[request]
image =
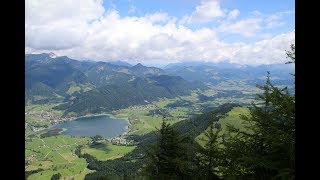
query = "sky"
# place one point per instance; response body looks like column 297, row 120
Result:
column 158, row 32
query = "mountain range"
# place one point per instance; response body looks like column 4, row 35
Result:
column 92, row 87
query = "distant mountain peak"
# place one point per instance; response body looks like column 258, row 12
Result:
column 139, row 65
column 52, row 55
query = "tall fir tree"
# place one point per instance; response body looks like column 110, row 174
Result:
column 267, row 149
column 209, row 156
column 168, row 157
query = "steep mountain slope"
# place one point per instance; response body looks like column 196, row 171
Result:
column 90, row 87
column 49, row 77
column 137, row 91
column 66, row 78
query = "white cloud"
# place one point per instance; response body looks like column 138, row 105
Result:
column 253, row 25
column 150, row 39
column 273, row 21
column 247, row 27
column 267, row 51
column 233, row 14
column 205, row 12
column 59, row 24
column 55, row 36
column 42, row 11
column 158, row 17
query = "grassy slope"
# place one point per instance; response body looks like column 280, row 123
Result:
column 233, row 118
column 142, row 122
column 107, row 150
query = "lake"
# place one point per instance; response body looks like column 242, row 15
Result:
column 103, row 125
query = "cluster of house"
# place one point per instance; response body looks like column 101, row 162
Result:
column 31, row 158
column 120, row 141
column 52, row 118
column 61, row 146
column 36, row 129
column 143, row 107
column 56, row 120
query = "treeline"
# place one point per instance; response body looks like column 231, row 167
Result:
column 179, row 103
column 28, row 173
column 111, row 169
column 51, row 132
column 222, row 94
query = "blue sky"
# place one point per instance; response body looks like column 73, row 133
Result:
column 179, row 8
column 162, row 31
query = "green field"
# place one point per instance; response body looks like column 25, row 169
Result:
column 106, row 151
column 74, row 88
column 142, row 122
column 55, row 154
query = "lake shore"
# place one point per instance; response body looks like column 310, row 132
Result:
column 125, row 127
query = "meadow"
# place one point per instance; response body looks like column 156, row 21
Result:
column 54, row 155
column 107, row 151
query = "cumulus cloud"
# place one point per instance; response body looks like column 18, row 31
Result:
column 157, row 38
column 275, row 20
column 43, row 11
column 59, row 24
column 253, row 25
column 205, row 12
column 247, row 27
column 267, row 51
column 233, row 14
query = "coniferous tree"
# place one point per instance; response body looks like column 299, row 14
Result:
column 56, row 176
column 291, row 54
column 208, row 157
column 168, row 157
column 267, row 149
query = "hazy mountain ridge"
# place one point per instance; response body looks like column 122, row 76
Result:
column 218, row 72
column 88, row 86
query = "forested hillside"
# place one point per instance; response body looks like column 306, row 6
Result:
column 138, row 91
column 92, row 87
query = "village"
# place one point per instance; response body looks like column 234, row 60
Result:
column 46, row 116
column 121, row 140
